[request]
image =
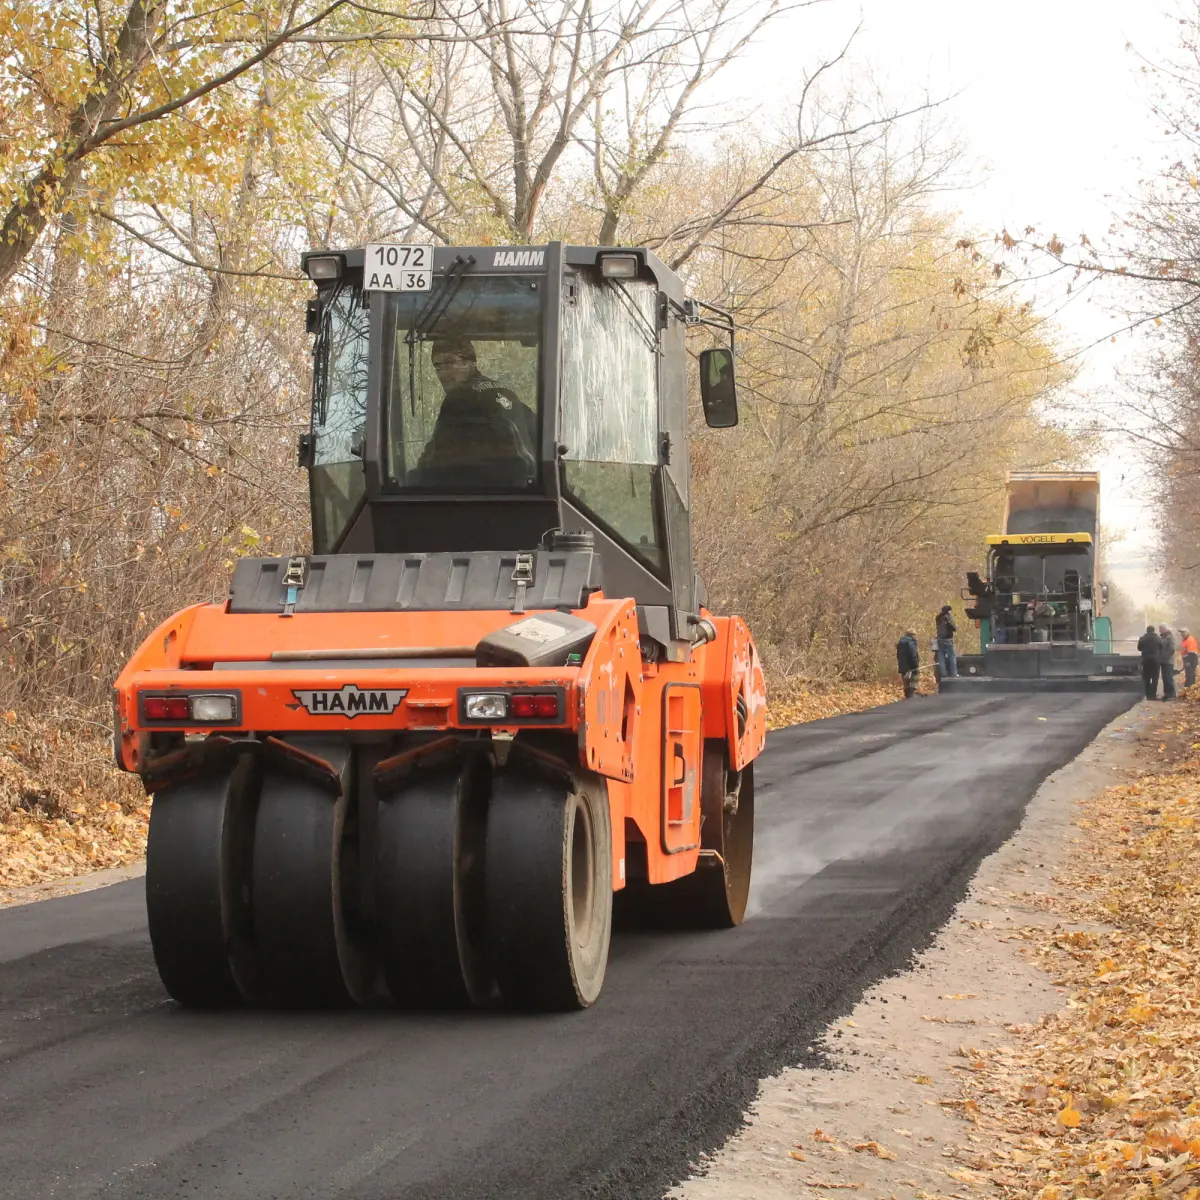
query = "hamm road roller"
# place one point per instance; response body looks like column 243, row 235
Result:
column 420, row 760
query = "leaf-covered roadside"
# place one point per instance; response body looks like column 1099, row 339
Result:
column 1102, row 1099
column 65, row 810
column 797, row 701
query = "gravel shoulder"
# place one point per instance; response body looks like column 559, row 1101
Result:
column 53, row 888
column 881, row 1118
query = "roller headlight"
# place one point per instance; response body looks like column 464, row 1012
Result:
column 485, row 706
column 210, row 709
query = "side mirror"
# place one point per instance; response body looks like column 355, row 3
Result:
column 306, row 446
column 718, row 393
column 1104, row 593
column 312, row 316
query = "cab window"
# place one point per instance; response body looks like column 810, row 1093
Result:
column 339, row 417
column 610, row 408
column 462, row 411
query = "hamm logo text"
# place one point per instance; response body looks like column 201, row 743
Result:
column 519, row 258
column 351, row 701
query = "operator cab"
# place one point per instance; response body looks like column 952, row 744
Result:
column 479, row 399
column 1039, row 588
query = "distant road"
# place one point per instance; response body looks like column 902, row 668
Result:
column 869, row 827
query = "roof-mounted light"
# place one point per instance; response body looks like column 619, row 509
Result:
column 322, row 268
column 619, row 266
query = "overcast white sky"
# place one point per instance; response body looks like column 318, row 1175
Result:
column 1048, row 100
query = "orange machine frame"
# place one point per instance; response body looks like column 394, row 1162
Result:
column 622, row 709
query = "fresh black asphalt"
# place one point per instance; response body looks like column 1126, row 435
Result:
column 869, row 828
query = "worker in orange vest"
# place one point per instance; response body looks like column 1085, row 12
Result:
column 1190, row 650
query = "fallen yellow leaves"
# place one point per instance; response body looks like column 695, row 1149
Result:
column 793, row 702
column 33, row 851
column 1102, row 1099
column 1070, row 1117
column 964, row 1176
column 876, row 1149
column 64, row 809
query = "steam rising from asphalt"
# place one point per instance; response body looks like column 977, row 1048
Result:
column 898, row 779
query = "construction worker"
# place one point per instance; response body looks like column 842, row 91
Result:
column 1150, row 647
column 1190, row 650
column 946, row 629
column 1166, row 662
column 908, row 662
column 481, row 427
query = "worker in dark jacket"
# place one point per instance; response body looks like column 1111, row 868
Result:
column 1150, row 647
column 946, row 629
column 1166, row 662
column 908, row 661
column 484, row 436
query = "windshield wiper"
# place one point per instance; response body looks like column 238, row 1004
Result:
column 438, row 301
column 321, row 352
column 440, row 298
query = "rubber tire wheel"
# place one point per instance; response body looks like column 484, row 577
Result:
column 714, row 895
column 309, row 958
column 197, row 876
column 429, row 897
column 548, row 873
column 721, row 902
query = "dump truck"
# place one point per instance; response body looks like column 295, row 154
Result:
column 1038, row 603
column 419, row 761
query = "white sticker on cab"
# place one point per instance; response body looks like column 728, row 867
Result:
column 534, row 629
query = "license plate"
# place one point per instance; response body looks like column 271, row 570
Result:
column 397, row 268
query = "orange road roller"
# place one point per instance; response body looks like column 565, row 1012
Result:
column 420, row 761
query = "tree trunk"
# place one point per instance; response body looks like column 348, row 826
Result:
column 28, row 216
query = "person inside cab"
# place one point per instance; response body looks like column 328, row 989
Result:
column 484, row 436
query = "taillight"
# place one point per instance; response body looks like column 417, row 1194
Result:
column 166, row 708
column 534, row 704
column 498, row 707
column 211, row 708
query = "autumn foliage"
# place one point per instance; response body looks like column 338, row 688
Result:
column 163, row 165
